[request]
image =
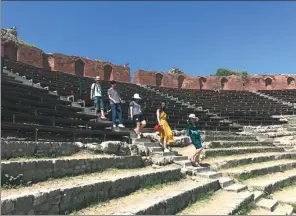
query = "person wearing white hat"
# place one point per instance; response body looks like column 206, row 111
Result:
column 194, row 137
column 136, row 114
column 96, row 95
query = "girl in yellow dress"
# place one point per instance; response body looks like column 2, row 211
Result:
column 165, row 132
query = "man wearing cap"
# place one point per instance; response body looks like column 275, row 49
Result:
column 115, row 102
column 96, row 95
column 136, row 114
column 194, row 136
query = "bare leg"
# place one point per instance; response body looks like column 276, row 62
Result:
column 103, row 114
column 196, row 156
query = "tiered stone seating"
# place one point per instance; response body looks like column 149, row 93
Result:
column 287, row 95
column 29, row 110
column 241, row 107
column 67, row 84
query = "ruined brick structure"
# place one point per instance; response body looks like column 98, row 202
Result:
column 256, row 82
column 64, row 63
column 14, row 50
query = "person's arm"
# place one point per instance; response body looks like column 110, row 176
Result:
column 157, row 115
column 131, row 110
column 91, row 91
column 188, row 133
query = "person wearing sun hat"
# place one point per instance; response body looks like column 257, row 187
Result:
column 194, row 136
column 136, row 114
column 96, row 96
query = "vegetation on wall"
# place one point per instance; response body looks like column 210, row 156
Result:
column 228, row 72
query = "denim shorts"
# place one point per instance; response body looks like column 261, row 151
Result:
column 98, row 102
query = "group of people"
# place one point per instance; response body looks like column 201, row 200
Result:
column 136, row 114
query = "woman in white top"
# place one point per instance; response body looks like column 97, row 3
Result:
column 136, row 114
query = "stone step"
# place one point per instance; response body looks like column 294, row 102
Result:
column 41, row 169
column 284, row 209
column 184, row 163
column 229, row 144
column 172, row 153
column 167, row 200
column 268, row 204
column 156, row 149
column 237, row 187
column 286, row 195
column 210, row 174
column 225, row 181
column 179, row 158
column 220, row 203
column 239, row 160
column 240, row 150
column 229, row 138
column 194, row 170
column 272, row 182
column 258, row 195
column 142, row 140
column 150, row 144
column 254, row 170
column 63, row 196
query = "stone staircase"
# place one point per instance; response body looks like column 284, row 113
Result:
column 25, row 81
column 193, row 106
column 278, row 100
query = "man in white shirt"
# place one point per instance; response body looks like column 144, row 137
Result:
column 96, row 95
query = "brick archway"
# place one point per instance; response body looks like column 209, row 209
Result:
column 181, row 79
column 223, row 81
column 107, row 72
column 158, row 79
column 79, row 67
column 10, row 51
column 290, row 80
column 202, row 80
column 268, row 81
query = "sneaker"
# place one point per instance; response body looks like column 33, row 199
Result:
column 121, row 125
column 166, row 150
column 114, row 126
column 139, row 136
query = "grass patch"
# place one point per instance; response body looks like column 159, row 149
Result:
column 143, row 189
column 245, row 176
column 246, row 209
column 294, row 207
column 27, row 44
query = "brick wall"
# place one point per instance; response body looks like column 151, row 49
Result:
column 278, row 82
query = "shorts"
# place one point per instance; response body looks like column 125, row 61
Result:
column 98, row 103
column 139, row 118
column 197, row 145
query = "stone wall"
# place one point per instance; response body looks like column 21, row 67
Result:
column 28, row 54
column 256, row 82
column 13, row 149
column 56, row 201
column 40, row 170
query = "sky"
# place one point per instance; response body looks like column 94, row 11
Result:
column 197, row 37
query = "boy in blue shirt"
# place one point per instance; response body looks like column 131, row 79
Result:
column 194, row 136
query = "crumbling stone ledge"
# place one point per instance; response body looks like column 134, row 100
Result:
column 41, row 170
column 68, row 199
column 13, row 149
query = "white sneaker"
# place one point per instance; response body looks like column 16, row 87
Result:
column 121, row 125
column 114, row 126
column 166, row 150
column 139, row 136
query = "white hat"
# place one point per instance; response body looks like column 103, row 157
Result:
column 137, row 96
column 192, row 116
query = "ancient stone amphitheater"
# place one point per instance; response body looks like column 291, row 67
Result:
column 57, row 160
